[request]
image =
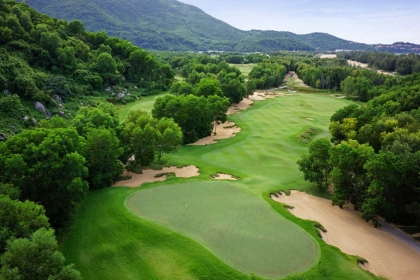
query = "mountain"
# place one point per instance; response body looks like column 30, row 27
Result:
column 172, row 25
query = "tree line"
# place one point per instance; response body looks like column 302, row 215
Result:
column 403, row 64
column 374, row 161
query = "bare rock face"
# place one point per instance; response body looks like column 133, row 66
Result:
column 40, row 107
column 121, row 95
column 25, row 118
column 3, row 137
column 6, row 91
column 61, row 113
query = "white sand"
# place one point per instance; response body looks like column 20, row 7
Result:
column 387, row 255
column 222, row 176
column 148, row 176
column 328, row 56
column 224, row 130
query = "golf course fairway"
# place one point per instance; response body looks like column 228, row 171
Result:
column 239, row 228
column 200, row 228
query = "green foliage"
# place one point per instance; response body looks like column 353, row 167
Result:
column 102, row 153
column 36, row 257
column 147, row 138
column 172, row 25
column 47, row 166
column 19, row 219
column 192, row 113
column 348, row 174
column 315, row 166
column 402, row 64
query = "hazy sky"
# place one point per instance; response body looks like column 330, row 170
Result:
column 369, row 21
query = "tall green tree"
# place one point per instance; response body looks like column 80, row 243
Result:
column 102, row 158
column 348, row 174
column 315, row 166
column 19, row 219
column 48, row 167
column 36, row 257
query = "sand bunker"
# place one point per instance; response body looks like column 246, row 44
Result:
column 224, row 130
column 387, row 255
column 328, row 56
column 222, row 176
column 148, row 176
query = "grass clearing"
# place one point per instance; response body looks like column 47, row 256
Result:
column 245, row 68
column 238, row 227
column 145, row 103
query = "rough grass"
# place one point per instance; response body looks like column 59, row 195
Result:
column 231, row 223
column 109, row 242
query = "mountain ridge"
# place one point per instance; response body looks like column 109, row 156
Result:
column 172, row 25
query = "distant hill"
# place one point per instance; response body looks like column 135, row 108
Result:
column 172, row 25
column 398, row 47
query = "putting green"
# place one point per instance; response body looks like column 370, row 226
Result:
column 240, row 228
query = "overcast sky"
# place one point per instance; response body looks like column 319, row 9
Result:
column 369, row 21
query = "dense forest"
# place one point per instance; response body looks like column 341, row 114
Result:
column 172, row 25
column 374, row 162
column 54, row 148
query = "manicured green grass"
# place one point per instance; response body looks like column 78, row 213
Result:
column 265, row 152
column 108, row 241
column 238, row 227
column 144, row 103
column 245, row 68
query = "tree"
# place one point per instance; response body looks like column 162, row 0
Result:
column 19, row 219
column 219, row 106
column 94, row 118
column 192, row 113
column 315, row 166
column 348, row 174
column 168, row 136
column 102, row 153
column 207, row 87
column 35, row 258
column 48, row 167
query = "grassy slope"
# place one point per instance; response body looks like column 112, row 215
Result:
column 232, row 224
column 108, row 241
column 144, row 103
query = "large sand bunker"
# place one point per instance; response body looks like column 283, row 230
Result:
column 328, row 56
column 386, row 254
column 149, row 176
column 223, row 131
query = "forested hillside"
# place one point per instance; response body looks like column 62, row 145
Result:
column 172, row 25
column 46, row 63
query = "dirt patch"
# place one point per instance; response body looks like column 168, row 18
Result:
column 222, row 176
column 365, row 65
column 386, row 254
column 328, row 56
column 223, row 131
column 292, row 79
column 149, row 176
